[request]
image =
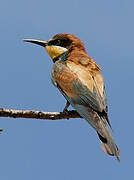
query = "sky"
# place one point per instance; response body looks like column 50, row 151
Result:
column 65, row 149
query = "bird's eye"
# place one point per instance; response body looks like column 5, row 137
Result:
column 58, row 42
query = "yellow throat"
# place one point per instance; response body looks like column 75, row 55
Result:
column 55, row 51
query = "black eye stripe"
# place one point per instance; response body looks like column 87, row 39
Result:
column 55, row 42
column 60, row 42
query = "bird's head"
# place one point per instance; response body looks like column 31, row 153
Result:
column 59, row 44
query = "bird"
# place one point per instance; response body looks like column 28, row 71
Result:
column 78, row 77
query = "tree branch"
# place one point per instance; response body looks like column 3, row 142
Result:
column 30, row 114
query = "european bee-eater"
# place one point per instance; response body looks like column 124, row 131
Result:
column 80, row 81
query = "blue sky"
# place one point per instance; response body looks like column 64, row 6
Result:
column 67, row 149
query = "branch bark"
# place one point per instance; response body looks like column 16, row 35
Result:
column 30, row 114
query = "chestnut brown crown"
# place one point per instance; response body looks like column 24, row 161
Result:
column 67, row 41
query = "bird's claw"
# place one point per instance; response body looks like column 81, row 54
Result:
column 66, row 112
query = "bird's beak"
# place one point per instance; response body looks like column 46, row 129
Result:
column 38, row 42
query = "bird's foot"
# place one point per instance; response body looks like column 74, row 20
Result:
column 66, row 107
column 65, row 111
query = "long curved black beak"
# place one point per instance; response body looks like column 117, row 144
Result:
column 36, row 41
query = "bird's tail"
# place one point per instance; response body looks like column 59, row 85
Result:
column 99, row 124
column 107, row 143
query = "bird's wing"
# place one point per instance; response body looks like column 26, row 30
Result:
column 93, row 95
column 89, row 86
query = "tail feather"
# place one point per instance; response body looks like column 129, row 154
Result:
column 100, row 125
column 108, row 148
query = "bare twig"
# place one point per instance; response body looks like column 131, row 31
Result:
column 30, row 114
